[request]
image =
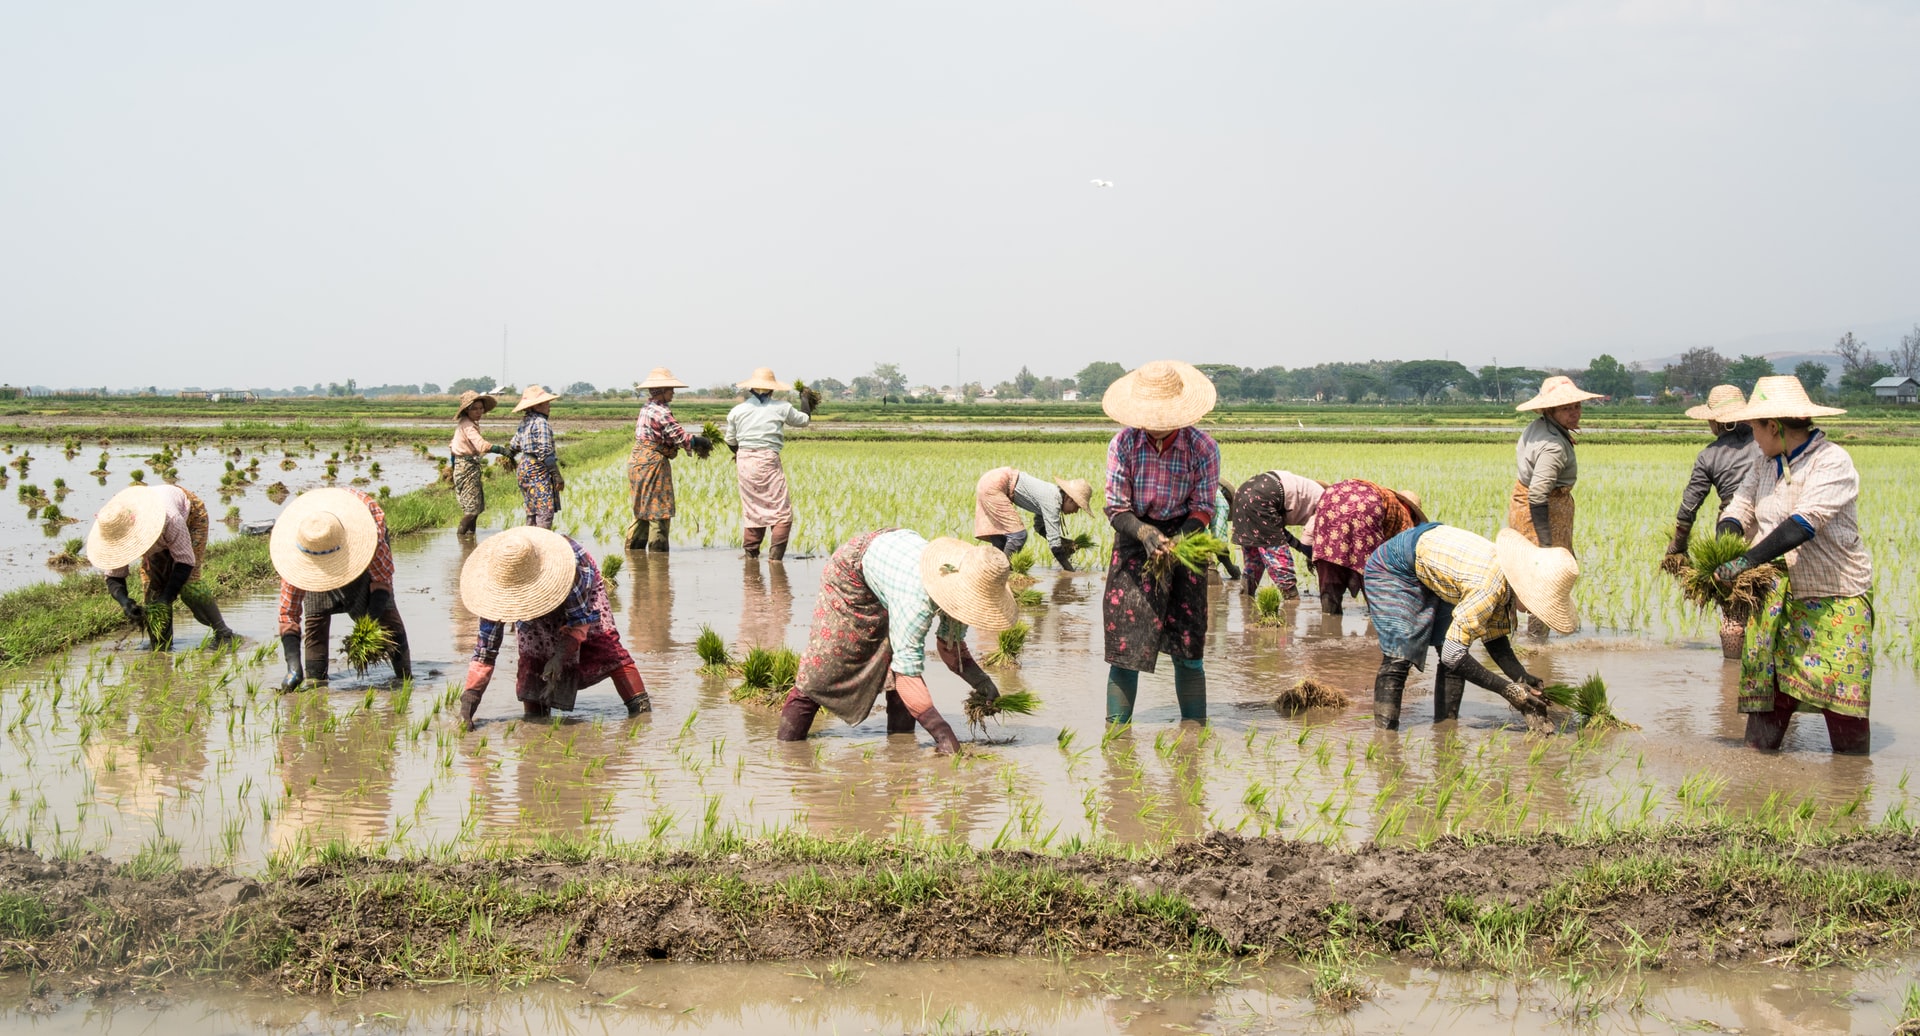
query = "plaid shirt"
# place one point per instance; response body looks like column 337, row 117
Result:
column 1178, row 482
column 657, row 424
column 1462, row 569
column 293, row 599
column 176, row 537
column 534, row 438
column 891, row 568
column 575, row 610
column 1819, row 487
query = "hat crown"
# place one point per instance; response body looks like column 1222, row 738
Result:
column 1555, row 382
column 1723, row 397
column 1158, row 380
column 320, row 533
column 517, row 562
column 116, row 519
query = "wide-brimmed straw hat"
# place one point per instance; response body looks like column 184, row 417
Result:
column 522, row 573
column 1161, row 396
column 533, row 397
column 1721, row 401
column 660, row 377
column 126, row 528
column 1077, row 490
column 1541, row 577
column 764, row 381
column 969, row 583
column 1558, row 390
column 323, row 540
column 1779, row 395
column 487, row 401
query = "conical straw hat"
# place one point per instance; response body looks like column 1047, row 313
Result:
column 1078, row 490
column 764, row 381
column 660, row 377
column 969, row 583
column 1721, row 401
column 126, row 528
column 1558, row 390
column 533, row 397
column 323, row 540
column 487, row 401
column 1161, row 396
column 1542, row 577
column 1780, row 395
column 522, row 573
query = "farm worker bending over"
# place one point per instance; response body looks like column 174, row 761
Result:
column 1723, row 465
column 330, row 548
column 165, row 529
column 1541, row 507
column 881, row 593
column 549, row 588
column 1162, row 477
column 1810, row 647
column 539, row 470
column 1350, row 521
column 1003, row 493
column 756, row 432
column 1263, row 508
column 657, row 438
column 470, row 449
column 1436, row 579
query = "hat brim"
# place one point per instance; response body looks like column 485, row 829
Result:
column 1769, row 409
column 319, row 573
column 769, row 385
column 1560, row 397
column 488, row 401
column 1704, row 412
column 1082, row 500
column 1196, row 400
column 1511, row 549
column 486, row 595
column 988, row 612
column 149, row 521
column 672, row 383
column 530, row 403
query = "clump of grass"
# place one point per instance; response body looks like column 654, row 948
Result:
column 714, row 657
column 1695, row 571
column 1589, row 699
column 1013, row 640
column 1266, row 605
column 610, row 567
column 766, row 675
column 1197, row 551
column 1029, row 597
column 368, row 642
column 979, row 706
column 1312, row 694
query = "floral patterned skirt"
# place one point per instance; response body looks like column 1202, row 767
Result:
column 1144, row 616
column 848, row 658
column 1818, row 650
column 650, row 480
column 468, row 483
column 537, row 489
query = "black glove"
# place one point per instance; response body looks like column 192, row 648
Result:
column 1519, row 695
column 503, row 451
column 1191, row 526
column 733, row 448
column 1681, row 534
column 1729, row 526
column 978, row 679
column 1542, row 524
column 290, row 651
column 701, row 444
column 1786, row 536
column 379, row 602
column 1128, row 524
column 1063, row 556
column 1294, row 542
column 177, row 580
column 117, row 589
column 1501, row 651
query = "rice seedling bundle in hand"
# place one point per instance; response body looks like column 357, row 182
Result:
column 714, row 657
column 1198, row 551
column 1082, row 541
column 808, row 395
column 1707, row 553
column 1589, row 699
column 1266, row 605
column 1312, row 694
column 766, row 675
column 368, row 642
column 1013, row 640
column 980, row 706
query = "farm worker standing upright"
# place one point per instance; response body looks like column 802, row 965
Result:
column 756, row 432
column 1000, row 496
column 1810, row 647
column 881, row 593
column 1162, row 476
column 1541, row 508
column 657, row 438
column 539, row 470
column 165, row 529
column 1263, row 507
column 1351, row 520
column 330, row 547
column 1436, row 580
column 470, row 451
column 547, row 586
column 1723, row 465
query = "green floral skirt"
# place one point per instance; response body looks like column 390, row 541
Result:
column 1819, row 651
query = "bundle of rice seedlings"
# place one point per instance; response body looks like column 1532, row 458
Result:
column 278, row 492
column 1266, row 605
column 714, row 657
column 1198, row 551
column 69, row 557
column 610, row 567
column 1013, row 640
column 979, row 706
column 368, row 642
column 1029, row 597
column 809, row 397
column 1697, row 585
column 1022, row 560
column 766, row 675
column 1589, row 699
column 1083, row 541
column 1312, row 694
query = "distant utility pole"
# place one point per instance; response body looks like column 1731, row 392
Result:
column 956, row 369
column 503, row 356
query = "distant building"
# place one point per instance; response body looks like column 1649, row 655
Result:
column 194, row 395
column 1070, row 396
column 1898, row 389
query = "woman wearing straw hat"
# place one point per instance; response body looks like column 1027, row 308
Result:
column 1000, row 496
column 880, row 595
column 1722, row 466
column 549, row 588
column 330, row 547
column 1810, row 646
column 657, row 438
column 756, row 432
column 539, row 466
column 1438, row 580
column 1162, row 475
column 1263, row 508
column 470, row 451
column 1541, row 507
column 165, row 529
column 1352, row 519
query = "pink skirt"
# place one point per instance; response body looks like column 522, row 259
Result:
column 764, row 501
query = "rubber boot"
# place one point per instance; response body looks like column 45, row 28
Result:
column 632, row 689
column 469, row 705
column 657, row 534
column 751, row 541
column 777, row 541
column 1449, row 688
column 1123, row 686
column 534, row 710
column 796, row 716
column 899, row 720
column 208, row 614
column 1250, row 585
column 944, row 743
column 637, row 534
column 1388, row 686
column 1190, row 689
column 467, row 524
column 315, row 630
column 402, row 655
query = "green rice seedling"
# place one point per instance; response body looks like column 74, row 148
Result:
column 808, row 396
column 1589, row 699
column 1197, row 551
column 139, row 477
column 1029, row 597
column 1013, row 640
column 1082, row 541
column 1695, row 571
column 1266, row 605
column 1023, row 560
column 610, row 567
column 1312, row 694
column 979, row 706
column 712, row 649
column 232, row 516
column 766, row 674
column 278, row 492
column 368, row 642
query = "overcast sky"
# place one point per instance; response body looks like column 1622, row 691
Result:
column 271, row 193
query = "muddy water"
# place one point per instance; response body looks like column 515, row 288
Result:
column 26, row 539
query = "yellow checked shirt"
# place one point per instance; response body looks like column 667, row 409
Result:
column 1463, row 570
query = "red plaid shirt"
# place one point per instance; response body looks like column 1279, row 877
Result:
column 657, row 424
column 293, row 599
column 1177, row 482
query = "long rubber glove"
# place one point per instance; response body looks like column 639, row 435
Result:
column 290, row 651
column 1542, row 523
column 960, row 660
column 1682, row 532
column 1063, row 556
column 1786, row 536
column 1517, row 694
column 1126, row 523
column 1501, row 651
column 177, row 580
column 117, row 589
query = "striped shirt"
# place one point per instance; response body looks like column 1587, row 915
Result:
column 657, row 424
column 891, row 569
column 1818, row 487
column 1179, row 481
column 1462, row 569
column 176, row 539
column 577, row 609
column 1545, row 460
column 293, row 599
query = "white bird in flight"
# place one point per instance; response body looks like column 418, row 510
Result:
column 1103, row 183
